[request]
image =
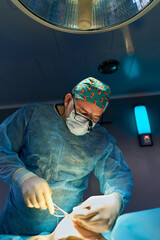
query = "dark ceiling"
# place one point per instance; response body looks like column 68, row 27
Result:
column 41, row 64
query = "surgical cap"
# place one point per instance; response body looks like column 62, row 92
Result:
column 93, row 91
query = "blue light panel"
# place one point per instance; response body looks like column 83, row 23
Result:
column 142, row 120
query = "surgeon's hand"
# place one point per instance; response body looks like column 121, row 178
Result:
column 98, row 213
column 37, row 193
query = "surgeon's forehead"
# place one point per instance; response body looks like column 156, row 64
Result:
column 89, row 107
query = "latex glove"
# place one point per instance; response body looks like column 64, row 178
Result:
column 98, row 213
column 37, row 193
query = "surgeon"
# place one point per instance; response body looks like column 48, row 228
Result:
column 46, row 155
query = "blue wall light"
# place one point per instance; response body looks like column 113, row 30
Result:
column 143, row 126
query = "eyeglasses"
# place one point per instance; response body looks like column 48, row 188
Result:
column 82, row 119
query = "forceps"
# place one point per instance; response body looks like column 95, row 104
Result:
column 65, row 214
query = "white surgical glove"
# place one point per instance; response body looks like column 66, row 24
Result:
column 35, row 190
column 99, row 213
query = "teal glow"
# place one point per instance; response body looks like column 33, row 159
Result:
column 142, row 120
column 131, row 66
column 113, row 68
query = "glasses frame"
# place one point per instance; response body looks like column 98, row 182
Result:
column 91, row 122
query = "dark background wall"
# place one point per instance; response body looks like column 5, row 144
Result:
column 144, row 162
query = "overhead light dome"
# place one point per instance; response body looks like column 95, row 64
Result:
column 109, row 66
column 85, row 16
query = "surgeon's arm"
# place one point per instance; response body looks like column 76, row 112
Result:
column 99, row 213
column 114, row 174
column 12, row 132
column 36, row 191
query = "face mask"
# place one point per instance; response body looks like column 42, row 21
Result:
column 78, row 127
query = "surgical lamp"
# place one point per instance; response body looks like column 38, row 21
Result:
column 86, row 16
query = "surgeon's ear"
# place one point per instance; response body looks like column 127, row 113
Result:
column 67, row 99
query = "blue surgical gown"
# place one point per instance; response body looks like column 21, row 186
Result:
column 36, row 138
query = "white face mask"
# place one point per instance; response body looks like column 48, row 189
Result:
column 79, row 127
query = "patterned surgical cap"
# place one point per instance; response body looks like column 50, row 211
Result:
column 93, row 91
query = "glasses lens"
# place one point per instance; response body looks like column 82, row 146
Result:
column 80, row 118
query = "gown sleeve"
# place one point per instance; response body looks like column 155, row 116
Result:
column 12, row 136
column 113, row 172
